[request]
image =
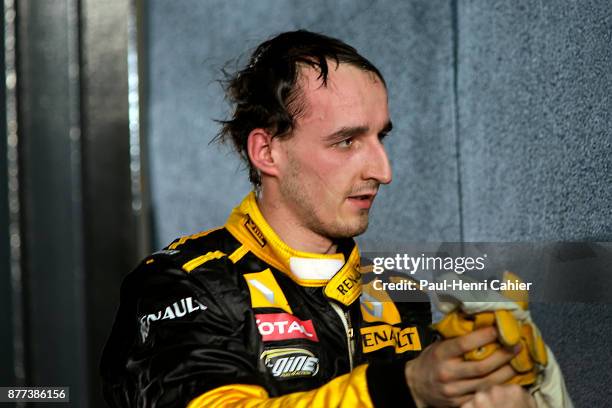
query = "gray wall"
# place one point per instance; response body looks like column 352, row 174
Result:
column 502, row 128
column 535, row 114
column 535, row 110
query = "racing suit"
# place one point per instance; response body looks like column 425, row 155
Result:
column 234, row 316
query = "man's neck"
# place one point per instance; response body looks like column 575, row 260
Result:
column 291, row 231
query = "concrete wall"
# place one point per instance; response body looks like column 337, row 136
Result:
column 502, row 128
column 534, row 114
column 534, row 82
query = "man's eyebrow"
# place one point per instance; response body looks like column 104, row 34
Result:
column 347, row 132
column 354, row 131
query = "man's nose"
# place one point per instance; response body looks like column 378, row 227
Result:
column 377, row 164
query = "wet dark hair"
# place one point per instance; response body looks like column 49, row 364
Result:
column 264, row 94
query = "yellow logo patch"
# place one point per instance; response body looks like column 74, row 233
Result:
column 344, row 286
column 376, row 337
column 255, row 231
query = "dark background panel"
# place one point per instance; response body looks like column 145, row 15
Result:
column 50, row 159
column 7, row 375
column 77, row 220
column 112, row 246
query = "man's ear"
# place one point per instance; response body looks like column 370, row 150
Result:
column 259, row 147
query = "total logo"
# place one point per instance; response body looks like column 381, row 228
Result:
column 283, row 326
column 290, row 363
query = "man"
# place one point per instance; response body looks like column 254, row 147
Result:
column 268, row 310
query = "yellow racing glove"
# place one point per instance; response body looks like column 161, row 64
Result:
column 535, row 365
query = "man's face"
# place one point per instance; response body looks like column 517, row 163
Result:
column 334, row 162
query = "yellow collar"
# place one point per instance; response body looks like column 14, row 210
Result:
column 339, row 272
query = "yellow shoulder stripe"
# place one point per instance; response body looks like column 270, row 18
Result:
column 186, row 238
column 194, row 263
column 239, row 253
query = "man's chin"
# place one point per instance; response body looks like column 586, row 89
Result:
column 353, row 229
column 360, row 231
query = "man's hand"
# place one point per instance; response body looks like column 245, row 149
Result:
column 440, row 376
column 502, row 396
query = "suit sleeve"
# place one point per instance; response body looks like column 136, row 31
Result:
column 378, row 385
column 177, row 342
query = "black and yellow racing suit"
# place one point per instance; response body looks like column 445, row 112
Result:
column 228, row 317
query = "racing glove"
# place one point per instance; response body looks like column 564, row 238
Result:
column 535, row 364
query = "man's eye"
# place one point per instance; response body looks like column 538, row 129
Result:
column 345, row 143
column 382, row 136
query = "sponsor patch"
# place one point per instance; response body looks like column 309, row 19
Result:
column 283, row 326
column 290, row 363
column 384, row 335
column 255, row 231
column 345, row 285
column 179, row 308
column 348, row 283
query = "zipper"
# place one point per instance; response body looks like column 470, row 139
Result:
column 345, row 318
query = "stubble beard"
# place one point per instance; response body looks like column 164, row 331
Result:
column 303, row 202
